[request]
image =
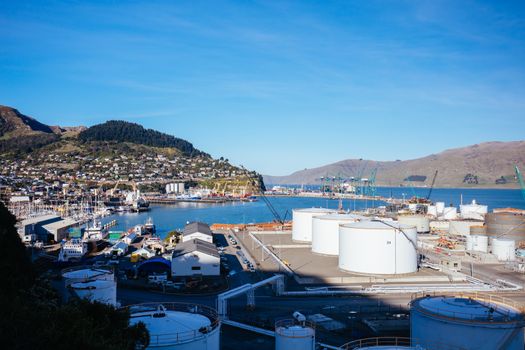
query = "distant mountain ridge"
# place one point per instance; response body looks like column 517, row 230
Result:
column 479, row 165
column 11, row 120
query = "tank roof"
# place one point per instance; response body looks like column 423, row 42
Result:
column 338, row 216
column 175, row 323
column 85, row 273
column 315, row 210
column 378, row 225
column 465, row 308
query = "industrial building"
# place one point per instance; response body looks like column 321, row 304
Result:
column 59, row 230
column 195, row 258
column 197, row 230
column 33, row 227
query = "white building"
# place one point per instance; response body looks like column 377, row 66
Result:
column 194, row 258
column 197, row 230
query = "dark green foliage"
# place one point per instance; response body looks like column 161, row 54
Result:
column 32, row 316
column 121, row 131
column 26, row 144
column 15, row 268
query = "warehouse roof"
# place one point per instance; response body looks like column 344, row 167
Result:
column 60, row 224
column 195, row 245
column 38, row 219
column 197, row 227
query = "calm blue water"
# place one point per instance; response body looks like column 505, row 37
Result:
column 171, row 217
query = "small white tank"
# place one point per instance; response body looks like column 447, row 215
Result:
column 421, row 222
column 432, row 211
column 462, row 227
column 450, row 213
column 102, row 291
column 302, row 222
column 440, row 207
column 178, row 326
column 504, row 249
column 292, row 335
column 473, row 211
column 467, row 321
column 478, row 243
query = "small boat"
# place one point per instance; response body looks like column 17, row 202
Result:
column 149, row 226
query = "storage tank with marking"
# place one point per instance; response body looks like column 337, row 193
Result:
column 178, row 326
column 468, row 321
column 292, row 334
column 504, row 249
column 478, row 243
column 421, row 222
column 377, row 247
column 325, row 232
column 302, row 222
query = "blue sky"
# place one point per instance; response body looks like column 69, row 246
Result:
column 275, row 86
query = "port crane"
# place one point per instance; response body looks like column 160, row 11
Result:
column 519, row 177
column 432, row 185
column 265, row 199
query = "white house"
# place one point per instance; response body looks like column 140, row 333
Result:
column 197, row 230
column 195, row 257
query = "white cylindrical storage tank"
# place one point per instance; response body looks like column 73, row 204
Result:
column 478, row 243
column 325, row 232
column 98, row 290
column 291, row 335
column 376, row 247
column 432, row 211
column 302, row 222
column 440, row 207
column 462, row 227
column 83, row 274
column 473, row 211
column 421, row 222
column 504, row 249
column 467, row 322
column 450, row 213
column 178, row 326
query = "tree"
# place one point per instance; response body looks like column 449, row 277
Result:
column 34, row 318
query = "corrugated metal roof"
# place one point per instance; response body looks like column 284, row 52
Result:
column 60, row 224
column 197, row 227
column 195, row 245
column 37, row 219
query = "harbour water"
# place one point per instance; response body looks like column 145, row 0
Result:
column 170, row 217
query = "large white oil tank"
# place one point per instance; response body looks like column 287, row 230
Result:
column 421, row 222
column 478, row 243
column 504, row 249
column 97, row 290
column 302, row 222
column 291, row 335
column 465, row 321
column 473, row 211
column 325, row 232
column 377, row 247
column 178, row 326
column 450, row 213
column 462, row 227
